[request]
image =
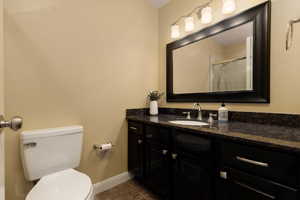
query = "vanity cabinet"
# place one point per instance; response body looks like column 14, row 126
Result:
column 249, row 172
column 237, row 185
column 180, row 164
column 157, row 160
column 174, row 165
column 273, row 165
column 136, row 150
column 192, row 167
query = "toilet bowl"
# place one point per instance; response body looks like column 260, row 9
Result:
column 50, row 156
column 64, row 185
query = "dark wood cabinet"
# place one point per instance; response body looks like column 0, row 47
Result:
column 157, row 169
column 192, row 180
column 273, row 165
column 192, row 167
column 237, row 185
column 177, row 164
column 157, row 160
column 135, row 150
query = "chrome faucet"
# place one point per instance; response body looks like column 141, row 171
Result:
column 198, row 107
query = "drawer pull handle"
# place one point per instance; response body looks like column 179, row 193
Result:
column 133, row 128
column 262, row 164
column 140, row 141
column 255, row 190
column 149, row 136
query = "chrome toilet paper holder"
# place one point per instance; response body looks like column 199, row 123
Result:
column 98, row 147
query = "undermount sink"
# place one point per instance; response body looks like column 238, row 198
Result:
column 189, row 123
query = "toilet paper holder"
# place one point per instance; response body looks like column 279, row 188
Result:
column 98, row 147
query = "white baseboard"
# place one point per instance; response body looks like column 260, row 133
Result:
column 111, row 182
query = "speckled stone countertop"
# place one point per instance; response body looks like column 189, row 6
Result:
column 275, row 136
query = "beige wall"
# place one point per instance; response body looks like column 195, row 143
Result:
column 78, row 62
column 84, row 62
column 1, row 59
column 2, row 175
column 285, row 66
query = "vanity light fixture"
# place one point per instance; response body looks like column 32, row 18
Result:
column 204, row 12
column 189, row 23
column 206, row 15
column 175, row 31
column 229, row 6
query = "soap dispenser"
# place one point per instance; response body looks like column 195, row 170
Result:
column 223, row 113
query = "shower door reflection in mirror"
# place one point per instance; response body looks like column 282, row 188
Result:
column 221, row 63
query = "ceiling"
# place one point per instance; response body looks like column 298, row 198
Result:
column 159, row 3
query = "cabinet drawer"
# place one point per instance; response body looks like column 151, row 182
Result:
column 135, row 127
column 158, row 135
column 280, row 167
column 242, row 186
column 191, row 143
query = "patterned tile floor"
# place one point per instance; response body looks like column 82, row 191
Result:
column 127, row 191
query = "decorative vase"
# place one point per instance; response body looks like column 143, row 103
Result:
column 153, row 108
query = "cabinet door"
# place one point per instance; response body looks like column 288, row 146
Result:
column 192, row 178
column 237, row 185
column 157, row 173
column 135, row 154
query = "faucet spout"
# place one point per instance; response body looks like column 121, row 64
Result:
column 198, row 107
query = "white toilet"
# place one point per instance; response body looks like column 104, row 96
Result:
column 49, row 156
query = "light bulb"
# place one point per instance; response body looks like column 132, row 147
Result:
column 206, row 15
column 189, row 24
column 175, row 32
column 229, row 6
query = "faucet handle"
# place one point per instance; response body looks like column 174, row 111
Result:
column 188, row 115
column 211, row 117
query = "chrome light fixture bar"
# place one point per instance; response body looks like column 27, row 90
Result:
column 204, row 13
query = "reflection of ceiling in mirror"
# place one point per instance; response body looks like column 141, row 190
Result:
column 235, row 35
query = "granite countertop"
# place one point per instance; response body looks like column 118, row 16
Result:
column 283, row 137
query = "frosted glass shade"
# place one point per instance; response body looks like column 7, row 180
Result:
column 189, row 24
column 206, row 15
column 175, row 32
column 229, row 6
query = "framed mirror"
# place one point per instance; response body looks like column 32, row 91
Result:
column 227, row 62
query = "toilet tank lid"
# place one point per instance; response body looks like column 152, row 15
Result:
column 51, row 132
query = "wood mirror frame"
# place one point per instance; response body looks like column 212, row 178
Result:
column 260, row 16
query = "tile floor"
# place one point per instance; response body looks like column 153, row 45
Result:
column 127, row 191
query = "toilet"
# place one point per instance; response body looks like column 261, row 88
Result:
column 49, row 157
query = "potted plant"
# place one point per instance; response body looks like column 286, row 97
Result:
column 154, row 96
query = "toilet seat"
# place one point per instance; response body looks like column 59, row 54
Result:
column 63, row 185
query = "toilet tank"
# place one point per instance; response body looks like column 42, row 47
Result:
column 50, row 150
